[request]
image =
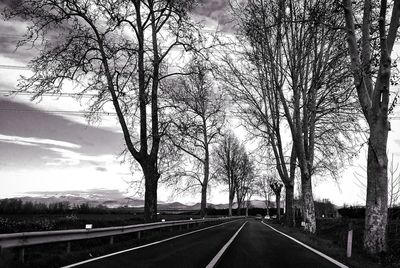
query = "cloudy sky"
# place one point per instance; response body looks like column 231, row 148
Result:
column 48, row 147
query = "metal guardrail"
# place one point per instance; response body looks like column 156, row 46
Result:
column 22, row 240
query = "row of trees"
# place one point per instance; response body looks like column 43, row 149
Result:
column 288, row 72
column 292, row 73
column 18, row 206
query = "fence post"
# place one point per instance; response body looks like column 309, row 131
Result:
column 22, row 255
column 349, row 240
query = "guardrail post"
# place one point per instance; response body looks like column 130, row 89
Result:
column 349, row 240
column 68, row 247
column 22, row 255
column 111, row 240
column 138, row 235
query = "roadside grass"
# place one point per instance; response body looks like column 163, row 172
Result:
column 331, row 239
column 55, row 255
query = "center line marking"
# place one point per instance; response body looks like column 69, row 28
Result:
column 144, row 246
column 215, row 260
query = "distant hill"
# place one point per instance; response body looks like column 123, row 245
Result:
column 91, row 201
column 98, row 200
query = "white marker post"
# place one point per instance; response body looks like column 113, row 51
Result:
column 349, row 240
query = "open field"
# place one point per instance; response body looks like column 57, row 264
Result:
column 48, row 222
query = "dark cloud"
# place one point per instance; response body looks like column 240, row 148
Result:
column 102, row 169
column 217, row 10
column 17, row 120
column 8, row 48
column 17, row 156
column 12, row 31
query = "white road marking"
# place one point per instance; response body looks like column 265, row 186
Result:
column 143, row 246
column 215, row 260
column 310, row 248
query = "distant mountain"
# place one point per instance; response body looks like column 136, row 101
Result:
column 94, row 200
column 173, row 206
column 253, row 204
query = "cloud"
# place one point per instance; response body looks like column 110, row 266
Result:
column 90, row 193
column 12, row 32
column 31, row 141
column 32, row 138
column 102, row 169
column 71, row 158
column 216, row 11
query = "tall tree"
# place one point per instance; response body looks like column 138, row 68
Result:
column 373, row 94
column 227, row 162
column 196, row 121
column 118, row 51
column 244, row 178
column 254, row 81
column 262, row 186
column 293, row 65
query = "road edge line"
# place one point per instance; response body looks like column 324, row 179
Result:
column 341, row 265
column 217, row 257
column 143, row 246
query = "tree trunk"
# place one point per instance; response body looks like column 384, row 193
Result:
column 289, row 215
column 150, row 196
column 377, row 190
column 239, row 206
column 278, row 206
column 308, row 204
column 230, row 203
column 206, row 166
column 203, row 209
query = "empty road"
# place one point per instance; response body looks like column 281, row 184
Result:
column 255, row 245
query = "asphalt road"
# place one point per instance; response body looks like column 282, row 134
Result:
column 259, row 246
column 256, row 245
column 195, row 250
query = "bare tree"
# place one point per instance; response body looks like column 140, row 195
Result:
column 234, row 168
column 263, row 188
column 393, row 182
column 373, row 94
column 277, row 188
column 293, row 73
column 250, row 191
column 196, row 121
column 244, row 178
column 225, row 161
column 253, row 76
column 116, row 50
